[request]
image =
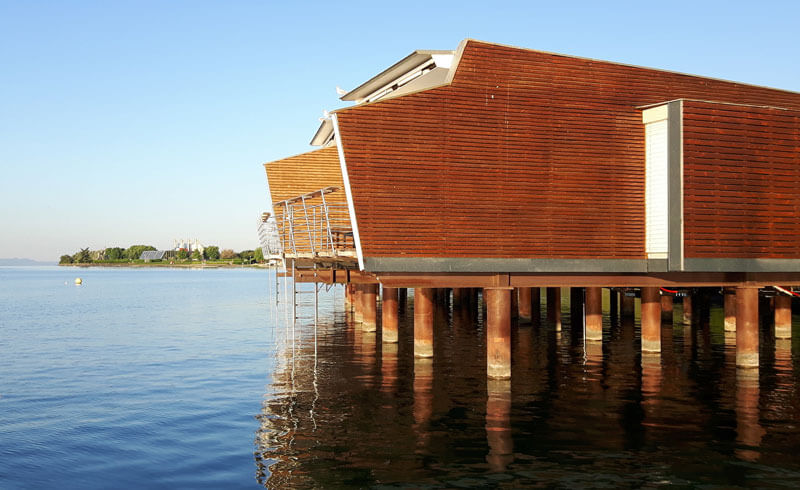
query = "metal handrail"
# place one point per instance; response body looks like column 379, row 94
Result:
column 310, row 225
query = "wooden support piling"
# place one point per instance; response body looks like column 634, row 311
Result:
column 729, row 308
column 423, row 322
column 554, row 307
column 594, row 314
column 666, row 308
column 783, row 316
column 524, row 304
column 369, row 314
column 651, row 319
column 498, row 332
column 576, row 310
column 358, row 306
column 389, row 315
column 613, row 303
column 687, row 309
column 627, row 304
column 514, row 304
column 747, row 327
column 536, row 305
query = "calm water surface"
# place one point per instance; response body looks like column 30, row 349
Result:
column 139, row 378
column 193, row 379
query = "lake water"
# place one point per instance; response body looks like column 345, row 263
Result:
column 139, row 378
column 194, row 379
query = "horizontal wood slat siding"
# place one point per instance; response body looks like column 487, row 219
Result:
column 741, row 181
column 308, row 172
column 525, row 154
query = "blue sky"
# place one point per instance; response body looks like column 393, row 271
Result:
column 140, row 122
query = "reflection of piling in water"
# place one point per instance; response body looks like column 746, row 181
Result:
column 423, row 390
column 389, row 367
column 748, row 429
column 498, row 425
column 651, row 375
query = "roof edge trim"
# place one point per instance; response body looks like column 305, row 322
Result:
column 393, row 71
column 348, row 192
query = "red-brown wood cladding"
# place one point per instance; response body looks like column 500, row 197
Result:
column 304, row 173
column 526, row 154
column 741, row 169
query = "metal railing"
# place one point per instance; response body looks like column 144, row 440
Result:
column 309, row 226
column 268, row 237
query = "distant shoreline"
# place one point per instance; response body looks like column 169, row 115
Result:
column 199, row 265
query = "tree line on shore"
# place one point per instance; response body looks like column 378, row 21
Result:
column 134, row 252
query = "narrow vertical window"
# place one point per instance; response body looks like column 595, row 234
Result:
column 656, row 182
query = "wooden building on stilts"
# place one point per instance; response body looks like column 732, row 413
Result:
column 506, row 170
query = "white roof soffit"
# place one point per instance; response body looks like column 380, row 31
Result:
column 407, row 71
column 324, row 134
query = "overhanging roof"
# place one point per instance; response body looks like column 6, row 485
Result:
column 407, row 64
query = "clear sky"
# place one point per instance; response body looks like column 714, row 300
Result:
column 138, row 122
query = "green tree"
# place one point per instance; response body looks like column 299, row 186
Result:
column 247, row 255
column 115, row 253
column 135, row 251
column 212, row 252
column 196, row 255
column 84, row 256
column 65, row 259
column 183, row 254
column 259, row 256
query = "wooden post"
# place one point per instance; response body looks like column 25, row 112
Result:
column 651, row 319
column 783, row 316
column 554, row 307
column 576, row 311
column 389, row 315
column 613, row 303
column 747, row 327
column 666, row 309
column 358, row 311
column 687, row 309
column 369, row 315
column 498, row 332
column 536, row 305
column 594, row 314
column 627, row 305
column 514, row 304
column 348, row 297
column 729, row 307
column 524, row 304
column 423, row 322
